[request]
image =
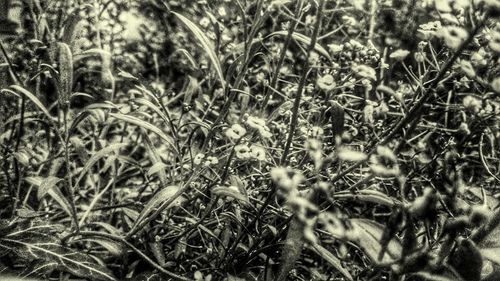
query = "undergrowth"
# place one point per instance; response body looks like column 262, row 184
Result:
column 251, row 140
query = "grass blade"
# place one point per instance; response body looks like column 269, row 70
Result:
column 145, row 125
column 96, row 157
column 160, row 197
column 304, row 40
column 206, row 44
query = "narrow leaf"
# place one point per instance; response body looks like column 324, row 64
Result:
column 96, row 157
column 160, row 197
column 31, row 97
column 206, row 44
column 304, row 40
column 46, row 185
column 143, row 124
column 331, row 259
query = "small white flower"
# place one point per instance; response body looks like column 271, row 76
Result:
column 211, row 160
column 258, row 152
column 346, row 154
column 265, row 133
column 242, row 151
column 235, row 132
column 326, row 82
column 453, row 36
column 198, row 158
column 335, row 48
column 255, row 122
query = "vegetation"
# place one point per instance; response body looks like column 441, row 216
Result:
column 250, row 140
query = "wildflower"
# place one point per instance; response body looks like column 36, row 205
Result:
column 255, row 122
column 335, row 48
column 286, row 178
column 467, row 68
column 222, row 11
column 364, row 71
column 204, row 22
column 235, row 132
column 326, row 82
column 301, row 207
column 399, row 55
column 495, row 84
column 314, row 58
column 428, row 30
column 350, row 21
column 386, row 153
column 265, row 132
column 198, row 158
column 211, row 160
column 346, row 154
column 242, row 151
column 477, row 58
column 368, row 113
column 260, row 125
column 312, row 145
column 464, row 128
column 453, row 36
column 258, row 153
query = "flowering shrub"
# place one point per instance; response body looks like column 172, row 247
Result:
column 252, row 140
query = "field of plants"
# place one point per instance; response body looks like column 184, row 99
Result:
column 250, row 140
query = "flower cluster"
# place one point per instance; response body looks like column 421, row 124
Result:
column 259, row 124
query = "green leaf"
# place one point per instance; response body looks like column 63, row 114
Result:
column 156, row 168
column 331, row 259
column 40, row 242
column 367, row 234
column 96, row 157
column 206, row 44
column 489, row 247
column 367, row 195
column 145, row 125
column 114, row 248
column 46, row 185
column 157, row 199
column 230, row 192
column 304, row 40
column 53, row 192
column 31, row 97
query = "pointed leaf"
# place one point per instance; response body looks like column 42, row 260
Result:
column 46, row 185
column 156, row 168
column 143, row 124
column 31, row 97
column 230, row 192
column 96, row 157
column 55, row 193
column 331, row 259
column 304, row 40
column 160, row 197
column 206, row 44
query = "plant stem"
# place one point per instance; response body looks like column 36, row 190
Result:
column 295, row 236
column 302, row 83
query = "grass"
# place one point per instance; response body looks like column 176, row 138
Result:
column 251, row 140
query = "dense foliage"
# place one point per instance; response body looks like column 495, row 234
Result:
column 251, row 140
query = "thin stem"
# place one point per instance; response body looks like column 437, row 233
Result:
column 302, row 83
